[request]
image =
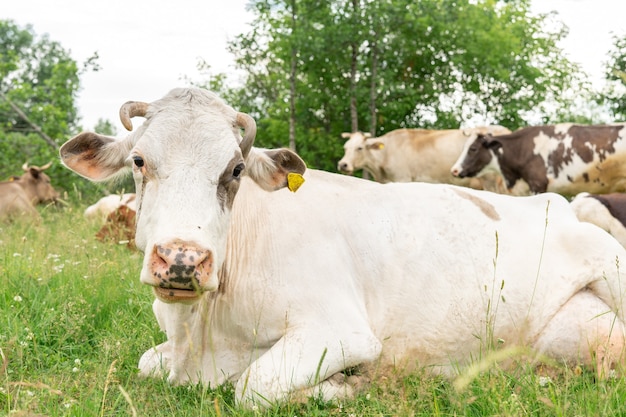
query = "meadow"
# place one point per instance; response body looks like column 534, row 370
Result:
column 74, row 320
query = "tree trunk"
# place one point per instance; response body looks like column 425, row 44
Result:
column 373, row 95
column 36, row 128
column 292, row 81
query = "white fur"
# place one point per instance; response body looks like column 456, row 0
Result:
column 347, row 272
column 590, row 210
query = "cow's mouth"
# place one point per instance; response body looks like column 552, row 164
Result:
column 171, row 295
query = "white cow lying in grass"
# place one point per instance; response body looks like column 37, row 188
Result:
column 279, row 291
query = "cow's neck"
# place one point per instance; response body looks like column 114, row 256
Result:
column 376, row 172
column 517, row 161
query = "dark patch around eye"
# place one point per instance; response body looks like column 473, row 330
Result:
column 238, row 170
column 228, row 184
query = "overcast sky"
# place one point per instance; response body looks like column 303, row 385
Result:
column 147, row 46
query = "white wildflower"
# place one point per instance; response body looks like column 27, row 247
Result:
column 17, row 298
column 544, row 381
column 77, row 361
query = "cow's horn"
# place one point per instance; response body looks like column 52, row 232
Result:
column 132, row 109
column 25, row 166
column 48, row 165
column 247, row 123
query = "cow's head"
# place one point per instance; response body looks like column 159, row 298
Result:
column 477, row 156
column 187, row 160
column 354, row 149
column 37, row 184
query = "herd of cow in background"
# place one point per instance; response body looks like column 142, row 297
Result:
column 586, row 163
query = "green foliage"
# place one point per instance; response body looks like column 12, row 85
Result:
column 105, row 127
column 40, row 77
column 417, row 64
column 614, row 93
column 75, row 320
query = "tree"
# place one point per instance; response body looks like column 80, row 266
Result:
column 39, row 82
column 613, row 96
column 105, row 127
column 39, row 76
column 384, row 65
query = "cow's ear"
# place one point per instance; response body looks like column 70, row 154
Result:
column 492, row 144
column 94, row 156
column 34, row 172
column 375, row 146
column 275, row 169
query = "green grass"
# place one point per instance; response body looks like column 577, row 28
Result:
column 74, row 321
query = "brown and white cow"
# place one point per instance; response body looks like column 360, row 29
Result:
column 279, row 292
column 108, row 204
column 563, row 158
column 406, row 155
column 20, row 195
column 119, row 226
column 607, row 211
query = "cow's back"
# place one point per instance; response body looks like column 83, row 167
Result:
column 414, row 259
column 14, row 202
column 607, row 211
column 422, row 155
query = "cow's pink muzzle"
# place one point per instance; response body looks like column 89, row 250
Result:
column 180, row 270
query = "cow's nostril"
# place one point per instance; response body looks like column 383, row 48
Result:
column 180, row 265
column 158, row 261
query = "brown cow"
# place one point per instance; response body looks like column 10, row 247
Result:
column 119, row 227
column 18, row 197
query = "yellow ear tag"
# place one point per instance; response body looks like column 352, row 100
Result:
column 381, row 145
column 294, row 181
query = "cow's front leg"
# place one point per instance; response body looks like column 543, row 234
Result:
column 302, row 363
column 156, row 361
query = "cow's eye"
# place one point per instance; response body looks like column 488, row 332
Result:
column 138, row 161
column 238, row 170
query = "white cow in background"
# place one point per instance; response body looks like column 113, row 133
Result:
column 280, row 292
column 108, row 204
column 424, row 155
column 607, row 211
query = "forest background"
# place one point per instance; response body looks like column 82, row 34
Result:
column 314, row 69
